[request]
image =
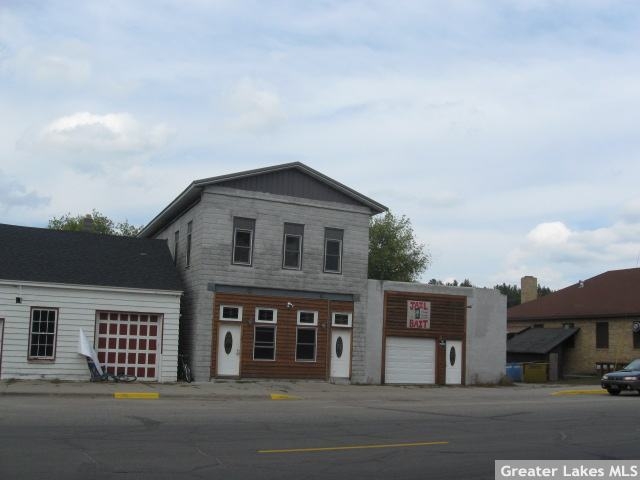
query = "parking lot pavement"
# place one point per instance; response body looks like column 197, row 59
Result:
column 281, row 390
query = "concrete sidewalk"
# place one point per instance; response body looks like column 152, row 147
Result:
column 271, row 389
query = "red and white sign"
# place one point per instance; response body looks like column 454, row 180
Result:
column 418, row 314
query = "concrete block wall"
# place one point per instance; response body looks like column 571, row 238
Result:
column 486, row 329
column 212, row 253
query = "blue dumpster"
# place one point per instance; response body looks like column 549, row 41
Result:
column 514, row 371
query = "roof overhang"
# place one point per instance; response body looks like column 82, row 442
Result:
column 192, row 194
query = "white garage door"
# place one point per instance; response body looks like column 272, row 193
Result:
column 410, row 360
column 130, row 343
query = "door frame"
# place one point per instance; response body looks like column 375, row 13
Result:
column 221, row 324
column 459, row 358
column 340, row 329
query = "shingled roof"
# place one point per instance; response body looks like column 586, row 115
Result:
column 611, row 294
column 81, row 258
column 539, row 340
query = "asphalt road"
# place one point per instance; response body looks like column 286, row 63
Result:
column 457, row 436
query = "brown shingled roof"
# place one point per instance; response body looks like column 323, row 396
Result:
column 611, row 294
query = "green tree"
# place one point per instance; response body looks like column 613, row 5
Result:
column 513, row 293
column 101, row 224
column 394, row 253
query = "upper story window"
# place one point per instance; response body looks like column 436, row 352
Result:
column 333, row 250
column 243, row 229
column 292, row 246
column 188, row 254
column 307, row 318
column 42, row 338
column 176, row 240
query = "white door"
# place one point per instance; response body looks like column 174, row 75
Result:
column 410, row 360
column 229, row 349
column 340, row 353
column 454, row 362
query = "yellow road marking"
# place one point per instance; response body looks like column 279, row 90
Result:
column 136, row 395
column 579, row 392
column 353, row 447
column 280, row 396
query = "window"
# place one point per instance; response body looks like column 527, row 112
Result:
column 230, row 312
column 176, row 239
column 333, row 250
column 307, row 318
column 266, row 315
column 292, row 246
column 264, row 343
column 571, row 341
column 306, row 345
column 188, row 255
column 42, row 338
column 636, row 334
column 339, row 319
column 602, row 334
column 243, row 240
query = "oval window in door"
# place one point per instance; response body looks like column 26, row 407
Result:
column 228, row 343
column 452, row 356
column 339, row 347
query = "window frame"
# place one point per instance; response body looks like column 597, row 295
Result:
column 46, row 358
column 221, row 316
column 266, row 322
column 274, row 328
column 303, row 324
column 284, row 252
column 187, row 256
column 350, row 319
column 315, row 344
column 602, row 339
column 246, row 225
column 330, row 235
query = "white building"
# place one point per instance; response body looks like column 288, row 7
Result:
column 123, row 292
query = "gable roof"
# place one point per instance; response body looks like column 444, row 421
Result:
column 611, row 294
column 539, row 340
column 81, row 258
column 293, row 179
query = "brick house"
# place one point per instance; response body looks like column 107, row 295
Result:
column 274, row 267
column 606, row 311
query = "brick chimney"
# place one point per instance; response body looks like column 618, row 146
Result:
column 528, row 289
column 87, row 224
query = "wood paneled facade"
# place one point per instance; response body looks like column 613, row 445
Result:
column 284, row 364
column 448, row 322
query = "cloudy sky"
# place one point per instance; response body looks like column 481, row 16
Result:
column 507, row 131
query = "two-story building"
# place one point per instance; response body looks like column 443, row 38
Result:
column 274, row 267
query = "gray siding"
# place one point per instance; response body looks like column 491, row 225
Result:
column 212, row 251
column 292, row 183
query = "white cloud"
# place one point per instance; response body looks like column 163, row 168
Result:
column 254, row 108
column 559, row 255
column 546, row 234
column 113, row 132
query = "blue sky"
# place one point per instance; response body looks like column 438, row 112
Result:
column 507, row 131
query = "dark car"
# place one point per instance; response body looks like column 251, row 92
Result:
column 626, row 379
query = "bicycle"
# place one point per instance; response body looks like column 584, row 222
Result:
column 184, row 371
column 106, row 376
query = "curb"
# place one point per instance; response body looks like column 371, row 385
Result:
column 579, row 392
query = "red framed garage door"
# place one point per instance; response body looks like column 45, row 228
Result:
column 130, row 343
